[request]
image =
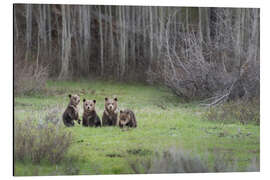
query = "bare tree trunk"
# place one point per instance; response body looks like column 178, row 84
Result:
column 151, row 37
column 28, row 31
column 39, row 33
column 59, row 52
column 111, row 36
column 49, row 28
column 123, row 43
column 175, row 29
column 128, row 35
column 237, row 48
column 133, row 37
column 187, row 21
column 200, row 25
column 105, row 34
column 101, row 43
column 66, row 41
column 161, row 27
column 253, row 39
column 16, row 30
column 81, row 41
column 141, row 24
column 87, row 38
column 43, row 26
column 38, row 50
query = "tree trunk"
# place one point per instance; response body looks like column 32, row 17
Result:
column 151, row 38
column 111, row 37
column 28, row 31
column 66, row 42
column 101, row 43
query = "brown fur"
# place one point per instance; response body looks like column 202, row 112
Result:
column 90, row 117
column 127, row 118
column 72, row 113
column 109, row 117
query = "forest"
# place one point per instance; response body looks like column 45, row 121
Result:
column 191, row 75
column 197, row 52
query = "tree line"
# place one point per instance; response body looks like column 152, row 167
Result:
column 198, row 52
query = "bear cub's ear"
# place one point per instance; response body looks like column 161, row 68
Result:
column 115, row 98
column 69, row 95
column 121, row 111
column 106, row 99
column 94, row 101
column 84, row 100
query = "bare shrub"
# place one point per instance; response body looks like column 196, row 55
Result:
column 37, row 141
column 224, row 66
column 173, row 161
column 54, row 116
column 176, row 160
column 239, row 111
column 254, row 166
column 28, row 77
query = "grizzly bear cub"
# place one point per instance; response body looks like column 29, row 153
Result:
column 109, row 117
column 90, row 117
column 127, row 118
column 72, row 113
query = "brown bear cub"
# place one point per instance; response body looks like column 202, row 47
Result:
column 127, row 118
column 109, row 117
column 90, row 117
column 72, row 113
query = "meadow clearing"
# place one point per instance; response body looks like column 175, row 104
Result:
column 164, row 121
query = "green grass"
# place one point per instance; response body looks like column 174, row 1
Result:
column 164, row 121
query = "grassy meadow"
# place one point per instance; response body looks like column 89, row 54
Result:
column 164, row 121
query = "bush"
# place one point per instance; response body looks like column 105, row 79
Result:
column 28, row 79
column 241, row 111
column 173, row 161
column 37, row 141
column 177, row 161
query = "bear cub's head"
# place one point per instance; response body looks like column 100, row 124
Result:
column 89, row 105
column 74, row 99
column 110, row 104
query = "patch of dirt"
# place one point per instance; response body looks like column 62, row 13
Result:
column 140, row 152
column 55, row 92
column 113, row 155
column 217, row 149
column 84, row 91
column 22, row 104
column 162, row 106
column 254, row 151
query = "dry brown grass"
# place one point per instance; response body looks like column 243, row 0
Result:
column 176, row 160
column 36, row 141
column 29, row 77
column 241, row 111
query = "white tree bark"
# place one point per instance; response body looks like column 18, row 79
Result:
column 151, row 33
column 101, row 43
column 28, row 31
column 66, row 42
column 111, row 34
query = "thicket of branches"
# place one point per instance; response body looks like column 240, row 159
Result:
column 197, row 52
